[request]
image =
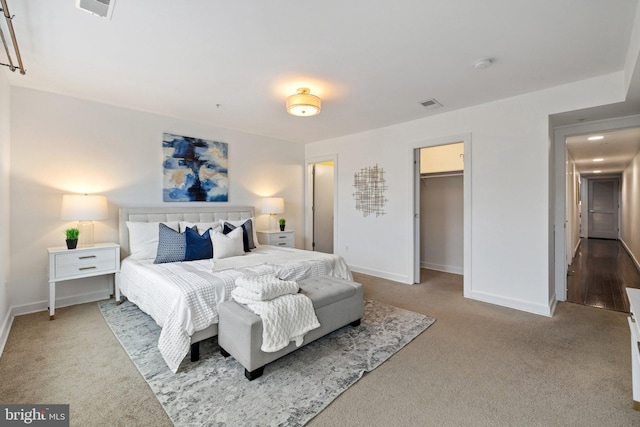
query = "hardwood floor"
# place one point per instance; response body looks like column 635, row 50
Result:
column 599, row 274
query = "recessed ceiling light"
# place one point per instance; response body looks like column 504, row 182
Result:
column 595, row 138
column 598, row 160
column 597, row 171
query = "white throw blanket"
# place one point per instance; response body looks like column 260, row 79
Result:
column 264, row 287
column 285, row 318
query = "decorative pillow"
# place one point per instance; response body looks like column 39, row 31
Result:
column 228, row 245
column 245, row 235
column 144, row 237
column 201, row 226
column 249, row 230
column 198, row 247
column 171, row 245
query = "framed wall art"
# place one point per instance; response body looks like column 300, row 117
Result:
column 195, row 169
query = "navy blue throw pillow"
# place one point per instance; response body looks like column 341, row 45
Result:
column 198, row 247
column 228, row 228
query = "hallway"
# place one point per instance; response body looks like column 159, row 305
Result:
column 599, row 274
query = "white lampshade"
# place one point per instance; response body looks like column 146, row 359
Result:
column 272, row 205
column 84, row 207
column 303, row 103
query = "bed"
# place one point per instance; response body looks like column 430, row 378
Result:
column 183, row 297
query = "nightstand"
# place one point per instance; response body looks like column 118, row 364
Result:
column 277, row 238
column 89, row 261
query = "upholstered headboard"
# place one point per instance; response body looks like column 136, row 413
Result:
column 193, row 214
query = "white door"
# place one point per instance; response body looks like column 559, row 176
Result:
column 603, row 208
column 323, row 207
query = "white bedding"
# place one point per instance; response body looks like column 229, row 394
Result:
column 183, row 297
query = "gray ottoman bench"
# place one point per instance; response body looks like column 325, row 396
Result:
column 336, row 302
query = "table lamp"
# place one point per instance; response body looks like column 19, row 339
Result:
column 272, row 206
column 85, row 208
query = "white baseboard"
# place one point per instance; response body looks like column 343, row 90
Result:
column 5, row 327
column 633, row 257
column 540, row 309
column 82, row 298
column 575, row 250
column 382, row 274
column 444, row 268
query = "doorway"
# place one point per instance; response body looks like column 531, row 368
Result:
column 321, row 204
column 561, row 225
column 441, row 208
column 465, row 140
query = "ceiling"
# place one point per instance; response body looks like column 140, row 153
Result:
column 616, row 149
column 232, row 63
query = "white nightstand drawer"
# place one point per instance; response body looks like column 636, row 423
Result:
column 277, row 238
column 74, row 264
column 281, row 239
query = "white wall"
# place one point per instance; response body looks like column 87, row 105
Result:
column 442, row 224
column 5, row 226
column 630, row 196
column 572, row 207
column 65, row 145
column 510, row 191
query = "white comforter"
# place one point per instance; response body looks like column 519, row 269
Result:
column 183, row 297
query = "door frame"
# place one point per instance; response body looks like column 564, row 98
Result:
column 414, row 210
column 558, row 195
column 308, row 199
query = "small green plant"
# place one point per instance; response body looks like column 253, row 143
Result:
column 72, row 233
column 282, row 221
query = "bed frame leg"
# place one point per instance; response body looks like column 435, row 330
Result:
column 254, row 374
column 355, row 323
column 195, row 351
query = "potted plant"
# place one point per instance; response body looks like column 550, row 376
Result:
column 72, row 237
column 282, row 222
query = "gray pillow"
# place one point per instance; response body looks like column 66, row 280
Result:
column 171, row 245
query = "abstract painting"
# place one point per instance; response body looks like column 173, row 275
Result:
column 370, row 186
column 195, row 170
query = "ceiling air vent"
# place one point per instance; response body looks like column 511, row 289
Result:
column 431, row 104
column 101, row 8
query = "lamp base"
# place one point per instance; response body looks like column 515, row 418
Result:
column 86, row 233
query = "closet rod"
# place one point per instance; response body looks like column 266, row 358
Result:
column 9, row 18
column 441, row 175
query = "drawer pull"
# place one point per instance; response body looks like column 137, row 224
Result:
column 282, row 244
column 86, row 268
column 87, row 256
column 282, row 237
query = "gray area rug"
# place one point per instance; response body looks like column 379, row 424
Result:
column 293, row 389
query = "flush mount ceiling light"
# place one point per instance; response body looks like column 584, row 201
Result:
column 303, row 104
column 595, row 138
column 598, row 160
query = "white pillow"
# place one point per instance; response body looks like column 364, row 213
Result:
column 144, row 238
column 202, row 226
column 242, row 221
column 227, row 245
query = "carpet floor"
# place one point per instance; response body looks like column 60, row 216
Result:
column 293, row 389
